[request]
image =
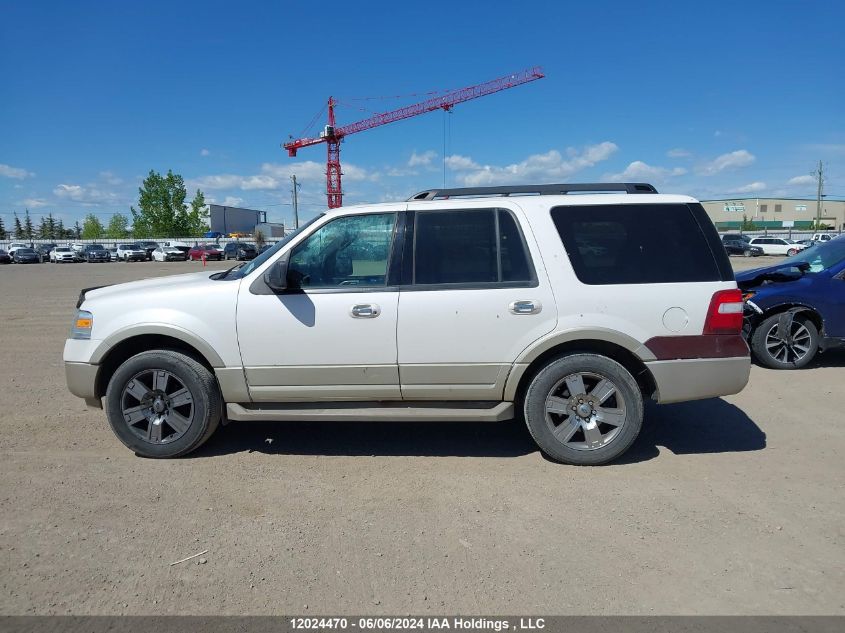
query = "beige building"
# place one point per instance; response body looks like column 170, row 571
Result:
column 775, row 213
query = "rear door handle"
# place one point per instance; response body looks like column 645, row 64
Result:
column 525, row 307
column 365, row 311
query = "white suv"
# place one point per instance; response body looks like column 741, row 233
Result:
column 777, row 245
column 463, row 304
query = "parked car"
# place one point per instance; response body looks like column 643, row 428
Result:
column 777, row 245
column 131, row 253
column 78, row 251
column 182, row 246
column 735, row 237
column 26, row 256
column 740, row 247
column 239, row 251
column 797, row 308
column 264, row 248
column 15, row 246
column 113, row 256
column 5, row 258
column 44, row 251
column 489, row 322
column 823, row 237
column 168, row 254
column 96, row 253
column 209, row 251
column 148, row 248
column 62, row 254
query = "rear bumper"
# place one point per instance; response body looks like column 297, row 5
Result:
column 699, row 378
column 82, row 381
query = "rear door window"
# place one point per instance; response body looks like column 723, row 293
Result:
column 470, row 247
column 635, row 244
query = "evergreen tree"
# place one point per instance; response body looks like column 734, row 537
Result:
column 2, row 229
column 18, row 229
column 28, row 229
column 42, row 229
column 51, row 227
column 60, row 229
column 77, row 230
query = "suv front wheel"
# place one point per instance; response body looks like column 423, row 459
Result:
column 583, row 409
column 162, row 404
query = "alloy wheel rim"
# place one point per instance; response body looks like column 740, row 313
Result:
column 585, row 411
column 790, row 347
column 157, row 407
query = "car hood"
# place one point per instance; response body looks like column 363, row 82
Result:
column 777, row 274
column 177, row 283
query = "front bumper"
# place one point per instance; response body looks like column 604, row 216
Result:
column 699, row 378
column 82, row 382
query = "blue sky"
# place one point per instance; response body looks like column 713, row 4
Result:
column 715, row 99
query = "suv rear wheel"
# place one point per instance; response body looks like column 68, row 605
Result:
column 163, row 404
column 583, row 409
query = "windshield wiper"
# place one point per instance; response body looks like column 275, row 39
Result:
column 225, row 273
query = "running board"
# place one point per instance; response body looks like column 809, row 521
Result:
column 369, row 412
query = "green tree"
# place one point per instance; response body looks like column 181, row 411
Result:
column 42, row 228
column 92, row 228
column 2, row 229
column 51, row 227
column 118, row 227
column 77, row 231
column 162, row 211
column 60, row 229
column 18, row 229
column 28, row 229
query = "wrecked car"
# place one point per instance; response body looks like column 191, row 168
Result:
column 796, row 309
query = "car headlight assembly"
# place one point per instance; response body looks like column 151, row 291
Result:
column 81, row 330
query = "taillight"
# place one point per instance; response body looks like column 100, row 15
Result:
column 724, row 316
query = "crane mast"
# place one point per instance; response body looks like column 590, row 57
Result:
column 333, row 135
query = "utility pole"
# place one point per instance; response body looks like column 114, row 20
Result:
column 820, row 175
column 295, row 203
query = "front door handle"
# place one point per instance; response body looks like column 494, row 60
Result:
column 365, row 311
column 525, row 307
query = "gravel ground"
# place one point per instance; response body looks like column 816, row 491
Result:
column 725, row 506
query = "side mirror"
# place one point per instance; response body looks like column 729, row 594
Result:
column 276, row 276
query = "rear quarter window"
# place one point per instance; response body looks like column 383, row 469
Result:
column 639, row 244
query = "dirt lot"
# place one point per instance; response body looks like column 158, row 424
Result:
column 728, row 506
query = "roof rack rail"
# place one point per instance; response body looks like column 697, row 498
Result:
column 511, row 190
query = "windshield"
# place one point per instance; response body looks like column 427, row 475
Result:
column 246, row 269
column 26, row 251
column 821, row 256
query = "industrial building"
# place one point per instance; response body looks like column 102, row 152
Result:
column 775, row 213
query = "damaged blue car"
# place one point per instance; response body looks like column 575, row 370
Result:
column 796, row 309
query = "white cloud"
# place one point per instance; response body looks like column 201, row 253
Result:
column 678, row 152
column 751, row 187
column 85, row 195
column 729, row 161
column 638, row 170
column 456, row 162
column 205, row 152
column 34, row 203
column 425, row 159
column 537, row 167
column 276, row 176
column 14, row 172
column 110, row 178
column 801, row 180
column 232, row 201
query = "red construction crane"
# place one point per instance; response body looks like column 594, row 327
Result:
column 332, row 135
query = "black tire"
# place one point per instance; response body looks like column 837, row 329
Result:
column 801, row 330
column 791, row 252
column 541, row 425
column 747, row 253
column 197, row 379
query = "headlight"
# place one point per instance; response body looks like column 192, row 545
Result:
column 82, row 325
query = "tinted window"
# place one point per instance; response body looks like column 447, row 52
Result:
column 469, row 246
column 616, row 244
column 349, row 251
